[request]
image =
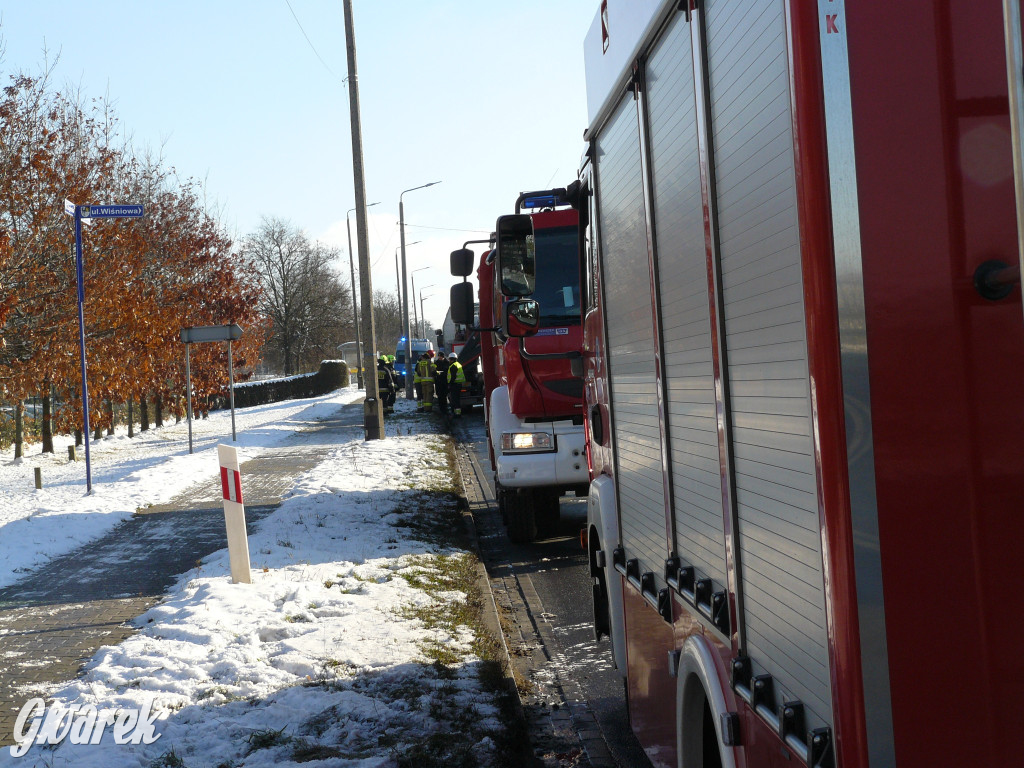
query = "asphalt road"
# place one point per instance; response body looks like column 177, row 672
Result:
column 554, row 586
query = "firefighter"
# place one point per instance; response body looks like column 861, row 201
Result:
column 386, row 389
column 441, row 384
column 424, row 381
column 456, row 378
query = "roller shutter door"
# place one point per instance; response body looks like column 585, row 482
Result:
column 685, row 312
column 775, row 477
column 630, row 339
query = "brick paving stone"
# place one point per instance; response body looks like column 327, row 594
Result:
column 54, row 619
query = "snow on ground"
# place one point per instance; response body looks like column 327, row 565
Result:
column 345, row 651
column 127, row 474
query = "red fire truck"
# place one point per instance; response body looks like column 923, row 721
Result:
column 533, row 401
column 803, row 356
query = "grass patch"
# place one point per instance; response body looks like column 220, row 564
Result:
column 433, row 517
column 218, row 690
column 170, row 759
column 305, row 752
column 267, row 738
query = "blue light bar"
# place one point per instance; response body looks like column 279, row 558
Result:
column 542, row 201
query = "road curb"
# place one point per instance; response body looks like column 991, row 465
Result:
column 568, row 735
column 492, row 617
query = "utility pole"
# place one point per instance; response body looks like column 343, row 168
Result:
column 355, row 306
column 373, row 413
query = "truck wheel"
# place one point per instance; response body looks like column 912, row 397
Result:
column 501, row 495
column 522, row 522
column 602, row 609
column 547, row 504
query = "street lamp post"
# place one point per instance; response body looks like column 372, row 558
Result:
column 398, row 275
column 355, row 306
column 412, row 276
column 423, row 315
column 405, row 294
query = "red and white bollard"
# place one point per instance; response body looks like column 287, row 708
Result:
column 234, row 514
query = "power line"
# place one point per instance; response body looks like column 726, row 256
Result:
column 312, row 47
column 448, row 229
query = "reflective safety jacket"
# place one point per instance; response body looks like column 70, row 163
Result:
column 424, row 371
column 455, row 373
column 385, row 381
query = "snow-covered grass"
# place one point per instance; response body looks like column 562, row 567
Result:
column 357, row 644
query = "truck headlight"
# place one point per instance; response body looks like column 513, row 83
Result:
column 512, row 442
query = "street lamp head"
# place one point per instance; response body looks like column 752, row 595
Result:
column 369, row 205
column 421, row 186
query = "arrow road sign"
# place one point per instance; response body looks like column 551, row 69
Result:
column 112, row 211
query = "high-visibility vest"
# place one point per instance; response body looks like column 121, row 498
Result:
column 455, row 373
column 424, row 371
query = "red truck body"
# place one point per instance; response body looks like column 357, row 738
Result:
column 538, row 389
column 538, row 397
column 803, row 356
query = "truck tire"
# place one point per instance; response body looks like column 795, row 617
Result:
column 522, row 522
column 547, row 506
column 501, row 495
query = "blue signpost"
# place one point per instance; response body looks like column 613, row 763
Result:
column 90, row 212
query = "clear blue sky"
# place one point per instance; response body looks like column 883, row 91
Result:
column 486, row 95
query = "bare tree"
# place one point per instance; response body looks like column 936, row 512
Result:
column 387, row 318
column 304, row 297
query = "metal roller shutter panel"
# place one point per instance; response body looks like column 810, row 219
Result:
column 630, row 340
column 685, row 312
column 777, row 510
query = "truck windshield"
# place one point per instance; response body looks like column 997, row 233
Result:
column 558, row 276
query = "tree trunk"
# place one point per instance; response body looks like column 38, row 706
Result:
column 144, row 413
column 19, row 428
column 78, row 437
column 47, row 429
column 131, row 418
column 158, row 404
column 110, row 415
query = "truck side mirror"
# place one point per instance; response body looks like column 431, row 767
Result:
column 517, row 255
column 462, row 262
column 462, row 303
column 520, row 318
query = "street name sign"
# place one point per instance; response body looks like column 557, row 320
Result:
column 112, row 211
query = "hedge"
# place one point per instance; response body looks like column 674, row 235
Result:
column 333, row 374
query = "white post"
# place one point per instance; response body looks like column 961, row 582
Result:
column 234, row 514
column 231, row 389
column 188, row 395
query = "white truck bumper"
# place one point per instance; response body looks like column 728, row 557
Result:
column 565, row 466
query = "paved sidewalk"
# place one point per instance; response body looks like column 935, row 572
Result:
column 55, row 618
